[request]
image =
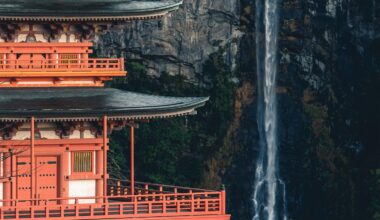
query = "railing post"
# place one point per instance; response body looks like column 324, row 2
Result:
column 222, row 202
column 76, row 207
column 32, row 212
column 120, row 208
column 135, row 210
column 178, row 205
column 17, row 214
column 192, row 202
column 106, row 208
column 47, row 209
column 164, row 204
column 91, row 210
column 62, row 211
column 149, row 208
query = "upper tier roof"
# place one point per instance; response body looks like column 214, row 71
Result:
column 85, row 10
column 91, row 103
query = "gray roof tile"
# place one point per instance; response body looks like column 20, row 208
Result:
column 72, row 102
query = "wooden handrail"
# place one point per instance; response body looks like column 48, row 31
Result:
column 62, row 64
column 175, row 204
column 143, row 185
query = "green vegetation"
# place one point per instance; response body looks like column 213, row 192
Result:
column 175, row 151
column 375, row 191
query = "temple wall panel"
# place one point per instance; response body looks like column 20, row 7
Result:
column 40, row 38
column 21, row 38
column 49, row 135
column 49, row 131
column 82, row 188
column 39, row 31
column 21, row 135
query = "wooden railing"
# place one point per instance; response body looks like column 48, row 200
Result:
column 147, row 203
column 56, row 65
column 122, row 187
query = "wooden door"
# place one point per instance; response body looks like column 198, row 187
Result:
column 23, row 179
column 46, row 177
column 46, row 171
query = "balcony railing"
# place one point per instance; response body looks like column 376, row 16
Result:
column 62, row 65
column 150, row 200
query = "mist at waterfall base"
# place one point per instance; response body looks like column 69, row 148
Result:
column 269, row 197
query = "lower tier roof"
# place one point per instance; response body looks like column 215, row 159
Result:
column 85, row 10
column 85, row 103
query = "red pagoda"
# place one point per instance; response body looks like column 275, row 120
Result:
column 56, row 116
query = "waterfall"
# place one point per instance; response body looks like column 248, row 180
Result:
column 269, row 198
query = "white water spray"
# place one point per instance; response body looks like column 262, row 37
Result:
column 269, row 190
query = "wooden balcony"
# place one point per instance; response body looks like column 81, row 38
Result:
column 54, row 64
column 150, row 202
column 61, row 67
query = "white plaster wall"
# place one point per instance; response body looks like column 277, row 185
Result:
column 88, row 134
column 21, row 135
column 75, row 135
column 82, row 188
column 20, row 37
column 49, row 135
column 47, row 131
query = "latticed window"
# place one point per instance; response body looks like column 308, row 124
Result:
column 66, row 58
column 82, row 162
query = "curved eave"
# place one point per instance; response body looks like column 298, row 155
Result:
column 131, row 106
column 90, row 15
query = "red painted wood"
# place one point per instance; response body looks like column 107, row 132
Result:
column 32, row 158
column 132, row 178
column 55, row 65
column 105, row 148
column 23, row 179
column 47, row 178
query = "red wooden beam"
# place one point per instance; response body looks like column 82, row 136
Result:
column 62, row 142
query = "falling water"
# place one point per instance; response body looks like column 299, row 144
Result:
column 269, row 190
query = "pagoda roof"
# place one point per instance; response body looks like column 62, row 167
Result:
column 55, row 104
column 85, row 10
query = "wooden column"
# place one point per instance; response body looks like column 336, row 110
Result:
column 13, row 174
column 99, row 172
column 32, row 162
column 105, row 148
column 64, row 191
column 7, row 175
column 132, row 160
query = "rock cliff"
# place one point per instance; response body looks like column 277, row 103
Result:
column 328, row 96
column 181, row 42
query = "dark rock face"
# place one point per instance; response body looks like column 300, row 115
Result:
column 328, row 96
column 328, row 114
column 181, row 42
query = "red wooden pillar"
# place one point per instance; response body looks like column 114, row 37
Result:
column 99, row 172
column 105, row 148
column 32, row 162
column 132, row 160
column 64, row 191
column 7, row 175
